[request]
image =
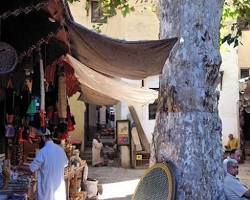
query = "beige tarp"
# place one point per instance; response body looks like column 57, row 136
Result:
column 98, row 86
column 118, row 58
column 89, row 95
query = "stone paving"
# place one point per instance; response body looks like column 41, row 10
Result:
column 117, row 183
column 244, row 173
column 120, row 184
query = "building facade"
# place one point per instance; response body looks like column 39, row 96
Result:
column 143, row 24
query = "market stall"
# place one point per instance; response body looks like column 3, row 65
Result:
column 34, row 93
column 37, row 76
column 17, row 184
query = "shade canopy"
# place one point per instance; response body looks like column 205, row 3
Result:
column 96, row 87
column 118, row 58
column 91, row 96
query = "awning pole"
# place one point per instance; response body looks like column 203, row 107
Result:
column 42, row 89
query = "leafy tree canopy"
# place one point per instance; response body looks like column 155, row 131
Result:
column 110, row 7
column 235, row 19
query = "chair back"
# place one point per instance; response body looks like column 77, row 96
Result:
column 158, row 183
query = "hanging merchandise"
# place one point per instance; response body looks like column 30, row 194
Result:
column 10, row 98
column 34, row 106
column 6, row 172
column 71, row 123
column 9, row 118
column 42, row 119
column 32, row 133
column 55, row 118
column 20, row 135
column 51, row 96
column 2, row 121
column 62, row 95
column 2, row 93
column 50, row 73
column 17, row 148
column 36, row 86
column 16, row 154
column 10, row 104
column 33, row 113
column 70, row 119
column 25, row 100
column 61, row 131
column 62, row 127
column 9, row 131
column 42, row 89
column 35, row 121
column 50, row 113
column 36, row 109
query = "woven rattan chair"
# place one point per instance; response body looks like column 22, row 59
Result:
column 158, row 183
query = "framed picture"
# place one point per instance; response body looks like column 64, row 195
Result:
column 123, row 132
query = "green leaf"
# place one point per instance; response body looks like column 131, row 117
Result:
column 236, row 43
column 235, row 11
column 72, row 1
column 230, row 40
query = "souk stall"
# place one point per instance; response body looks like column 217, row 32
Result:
column 36, row 82
column 34, row 95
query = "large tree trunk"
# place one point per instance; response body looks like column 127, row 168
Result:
column 188, row 128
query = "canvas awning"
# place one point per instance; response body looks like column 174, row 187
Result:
column 91, row 96
column 102, row 90
column 118, row 58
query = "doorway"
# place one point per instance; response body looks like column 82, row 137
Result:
column 246, row 126
column 100, row 120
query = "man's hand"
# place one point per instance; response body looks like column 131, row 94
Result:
column 247, row 193
column 25, row 168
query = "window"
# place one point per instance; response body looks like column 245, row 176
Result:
column 96, row 13
column 244, row 73
column 152, row 108
column 220, row 80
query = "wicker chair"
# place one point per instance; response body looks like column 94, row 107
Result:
column 158, row 183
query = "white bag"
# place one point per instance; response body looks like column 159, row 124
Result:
column 91, row 187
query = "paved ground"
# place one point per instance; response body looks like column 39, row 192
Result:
column 244, row 173
column 120, row 184
column 117, row 183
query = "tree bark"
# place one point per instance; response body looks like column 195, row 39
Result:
column 188, row 128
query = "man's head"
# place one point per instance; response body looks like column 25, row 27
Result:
column 45, row 135
column 232, row 167
column 97, row 136
column 235, row 154
column 230, row 136
column 46, row 138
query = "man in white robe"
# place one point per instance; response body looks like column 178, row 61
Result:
column 97, row 159
column 49, row 164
